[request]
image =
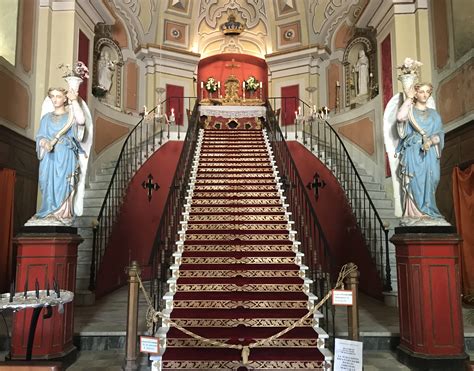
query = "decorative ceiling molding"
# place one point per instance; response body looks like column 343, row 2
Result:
column 251, row 11
column 326, row 16
column 140, row 20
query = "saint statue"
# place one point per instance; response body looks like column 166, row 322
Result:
column 362, row 69
column 414, row 139
column 63, row 144
column 106, row 69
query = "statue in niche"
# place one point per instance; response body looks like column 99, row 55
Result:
column 106, row 68
column 362, row 70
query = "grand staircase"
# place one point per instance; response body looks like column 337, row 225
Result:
column 238, row 276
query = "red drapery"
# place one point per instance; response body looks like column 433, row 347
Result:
column 463, row 198
column 7, row 189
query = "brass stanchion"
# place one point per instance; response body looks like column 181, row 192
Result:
column 352, row 283
column 130, row 362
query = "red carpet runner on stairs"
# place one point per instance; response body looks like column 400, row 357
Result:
column 238, row 276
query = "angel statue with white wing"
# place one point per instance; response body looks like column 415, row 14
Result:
column 414, row 139
column 63, row 144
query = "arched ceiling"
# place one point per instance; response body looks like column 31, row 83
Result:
column 270, row 26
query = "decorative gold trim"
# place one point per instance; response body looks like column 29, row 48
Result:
column 247, row 304
column 277, row 343
column 236, row 194
column 243, row 288
column 252, row 365
column 233, row 260
column 232, row 236
column 234, row 322
column 239, row 210
column 215, row 248
column 239, row 227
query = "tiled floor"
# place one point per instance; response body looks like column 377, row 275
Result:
column 108, row 318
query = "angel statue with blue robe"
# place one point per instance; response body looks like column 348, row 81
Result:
column 63, row 145
column 414, row 139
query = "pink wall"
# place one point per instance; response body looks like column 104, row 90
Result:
column 134, row 233
column 339, row 224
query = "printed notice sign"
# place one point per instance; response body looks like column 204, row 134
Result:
column 341, row 297
column 347, row 355
column 149, row 344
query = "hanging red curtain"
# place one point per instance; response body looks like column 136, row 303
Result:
column 463, row 198
column 7, row 189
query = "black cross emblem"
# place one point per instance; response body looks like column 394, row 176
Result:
column 150, row 186
column 316, row 185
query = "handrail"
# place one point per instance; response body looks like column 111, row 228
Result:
column 167, row 231
column 314, row 245
column 327, row 140
column 142, row 141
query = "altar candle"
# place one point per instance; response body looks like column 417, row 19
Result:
column 158, row 110
column 202, row 84
column 296, row 113
column 314, row 108
column 172, row 112
column 218, row 85
column 337, row 83
column 299, row 110
column 243, row 84
column 261, row 84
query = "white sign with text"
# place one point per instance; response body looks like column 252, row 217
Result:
column 347, row 355
column 341, row 297
column 149, row 344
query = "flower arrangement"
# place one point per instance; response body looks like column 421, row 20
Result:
column 251, row 84
column 410, row 66
column 78, row 69
column 211, row 85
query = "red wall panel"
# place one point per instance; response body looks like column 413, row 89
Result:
column 289, row 107
column 339, row 224
column 83, row 56
column 134, row 232
column 175, row 94
column 219, row 67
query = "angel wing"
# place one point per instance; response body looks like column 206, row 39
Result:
column 391, row 140
column 86, row 144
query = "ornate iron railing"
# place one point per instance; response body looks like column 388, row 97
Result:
column 142, row 141
column 167, row 232
column 321, row 138
column 314, row 246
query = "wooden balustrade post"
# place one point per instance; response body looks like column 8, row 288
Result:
column 352, row 283
column 130, row 362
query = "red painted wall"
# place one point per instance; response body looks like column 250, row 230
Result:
column 175, row 94
column 289, row 106
column 339, row 224
column 248, row 65
column 83, row 56
column 135, row 230
column 387, row 84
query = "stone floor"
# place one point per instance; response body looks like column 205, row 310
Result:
column 100, row 330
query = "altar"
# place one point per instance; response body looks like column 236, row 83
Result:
column 232, row 117
column 233, row 111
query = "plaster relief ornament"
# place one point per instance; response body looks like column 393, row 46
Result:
column 414, row 140
column 63, row 144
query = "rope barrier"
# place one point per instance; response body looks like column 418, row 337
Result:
column 152, row 316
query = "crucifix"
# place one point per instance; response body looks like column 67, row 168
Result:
column 150, row 186
column 232, row 66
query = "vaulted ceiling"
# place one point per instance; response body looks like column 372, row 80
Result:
column 270, row 26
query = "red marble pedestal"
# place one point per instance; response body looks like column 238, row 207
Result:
column 46, row 253
column 429, row 298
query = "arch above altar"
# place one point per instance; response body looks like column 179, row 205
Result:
column 231, row 70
